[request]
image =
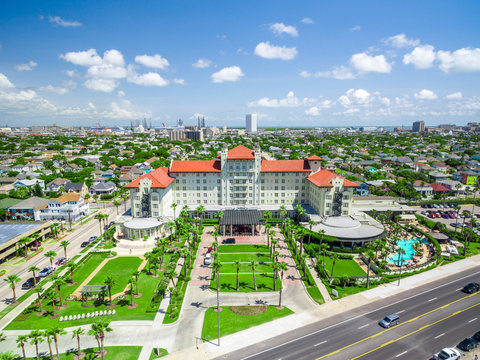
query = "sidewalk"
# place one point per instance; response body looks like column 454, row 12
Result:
column 318, row 281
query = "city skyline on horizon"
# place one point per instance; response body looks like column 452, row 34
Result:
column 289, row 63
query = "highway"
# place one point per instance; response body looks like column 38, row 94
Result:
column 432, row 316
column 79, row 235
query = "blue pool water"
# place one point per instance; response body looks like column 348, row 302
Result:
column 407, row 246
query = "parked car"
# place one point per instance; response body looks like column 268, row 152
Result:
column 471, row 288
column 29, row 283
column 47, row 271
column 229, row 241
column 447, row 354
column 84, row 244
column 60, row 261
column 476, row 336
column 467, row 344
column 389, row 320
column 208, row 259
column 92, row 238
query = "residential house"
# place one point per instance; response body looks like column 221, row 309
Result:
column 422, row 187
column 109, row 174
column 440, row 167
column 69, row 207
column 362, row 190
column 102, row 188
column 25, row 210
column 78, row 188
column 440, row 189
column 129, row 177
column 5, row 180
column 28, row 175
column 56, row 184
column 469, row 177
column 27, row 167
column 452, row 185
column 437, row 176
column 72, row 167
column 29, row 183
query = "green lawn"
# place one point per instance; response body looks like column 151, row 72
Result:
column 245, row 257
column 228, row 282
column 246, row 267
column 231, row 322
column 162, row 353
column 121, row 269
column 242, row 248
column 343, row 267
column 113, row 353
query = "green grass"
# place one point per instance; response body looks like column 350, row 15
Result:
column 228, row 283
column 121, row 269
column 162, row 353
column 231, row 322
column 344, row 267
column 315, row 294
column 113, row 353
column 243, row 248
column 246, row 267
column 473, row 249
column 247, row 257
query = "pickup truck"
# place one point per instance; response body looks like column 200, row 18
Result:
column 447, row 354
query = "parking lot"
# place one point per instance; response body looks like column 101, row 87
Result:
column 439, row 211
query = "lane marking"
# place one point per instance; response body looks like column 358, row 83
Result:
column 401, row 324
column 320, row 343
column 436, row 337
column 403, row 353
column 359, row 316
column 361, row 327
column 472, row 320
column 401, row 311
column 432, row 299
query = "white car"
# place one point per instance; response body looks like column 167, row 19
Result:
column 447, row 354
column 208, row 259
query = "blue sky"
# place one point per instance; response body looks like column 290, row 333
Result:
column 295, row 63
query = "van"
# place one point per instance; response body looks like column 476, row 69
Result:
column 389, row 320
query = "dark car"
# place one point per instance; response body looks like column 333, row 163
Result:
column 84, row 244
column 476, row 336
column 471, row 288
column 29, row 283
column 229, row 241
column 467, row 344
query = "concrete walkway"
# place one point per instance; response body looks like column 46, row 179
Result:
column 318, row 281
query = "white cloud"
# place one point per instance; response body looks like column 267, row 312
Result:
column 281, row 28
column 104, row 85
column 461, row 60
column 307, row 21
column 315, row 110
column 120, row 93
column 422, row 57
column 401, row 41
column 202, row 63
column 25, row 67
column 179, row 81
column 154, row 61
column 456, row 95
column 148, row 79
column 267, row 51
column 356, row 28
column 24, row 102
column 355, row 97
column 364, row 63
column 4, row 82
column 232, row 74
column 82, row 58
column 107, row 71
column 425, row 95
column 55, row 89
column 289, row 101
column 72, row 73
column 122, row 111
column 351, row 111
column 113, row 57
column 339, row 73
column 61, row 22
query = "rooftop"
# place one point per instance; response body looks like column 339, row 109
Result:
column 158, row 177
column 8, row 230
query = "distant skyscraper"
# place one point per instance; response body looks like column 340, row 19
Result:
column 251, row 123
column 418, row 126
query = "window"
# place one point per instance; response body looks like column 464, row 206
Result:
column 198, row 181
column 296, row 187
column 283, row 187
column 276, row 194
column 276, row 187
column 205, row 194
column 283, row 180
column 204, row 181
column 204, row 188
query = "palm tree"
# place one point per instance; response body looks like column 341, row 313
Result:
column 54, row 228
column 52, row 297
column 64, row 244
column 253, row 264
column 275, row 267
column 185, row 253
column 135, row 274
column 457, row 209
column 131, row 282
column 370, row 255
column 116, row 203
column 282, row 267
column 110, row 282
column 39, row 291
column 237, row 265
column 283, row 213
column 174, row 206
column 270, row 239
column 51, row 255
column 324, row 247
column 171, row 275
column 76, row 334
column 200, row 211
column 98, row 329
column 334, row 259
column 58, row 285
column 100, row 218
column 48, row 336
column 301, row 243
column 401, row 252
column 310, row 225
column 12, row 280
column 303, row 260
column 266, row 215
column 56, row 331
column 71, row 268
column 36, row 337
column 21, row 340
column 300, row 211
column 321, row 232
column 33, row 269
column 24, row 242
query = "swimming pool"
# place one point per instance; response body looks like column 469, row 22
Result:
column 407, row 246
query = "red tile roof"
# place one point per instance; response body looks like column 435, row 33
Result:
column 314, row 157
column 439, row 187
column 241, row 152
column 324, row 178
column 285, row 166
column 159, row 178
column 194, row 166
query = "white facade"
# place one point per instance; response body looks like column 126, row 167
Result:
column 69, row 207
column 251, row 123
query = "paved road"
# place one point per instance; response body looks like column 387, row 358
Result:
column 79, row 235
column 354, row 333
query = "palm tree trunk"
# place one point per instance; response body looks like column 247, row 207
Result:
column 56, row 349
column 50, row 349
column 281, row 287
column 78, row 340
column 238, row 281
column 98, row 342
column 103, row 355
column 23, row 351
column 254, row 280
column 36, row 348
column 368, row 274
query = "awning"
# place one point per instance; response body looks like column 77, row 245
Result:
column 242, row 217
